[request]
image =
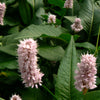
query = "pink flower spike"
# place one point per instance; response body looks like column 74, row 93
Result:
column 68, row 4
column 76, row 26
column 85, row 75
column 2, row 12
column 27, row 59
column 15, row 97
column 52, row 19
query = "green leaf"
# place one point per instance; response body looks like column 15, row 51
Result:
column 64, row 88
column 8, row 61
column 38, row 4
column 25, row 11
column 71, row 18
column 9, row 49
column 59, row 3
column 95, row 95
column 51, row 53
column 35, row 31
column 35, row 94
column 11, row 21
column 8, row 77
column 86, row 45
column 87, row 14
column 31, row 2
column 2, row 99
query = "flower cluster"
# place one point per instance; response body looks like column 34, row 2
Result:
column 52, row 19
column 15, row 97
column 2, row 12
column 85, row 75
column 27, row 59
column 76, row 26
column 68, row 4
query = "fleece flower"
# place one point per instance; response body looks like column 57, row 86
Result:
column 76, row 26
column 27, row 59
column 52, row 19
column 2, row 12
column 15, row 97
column 85, row 75
column 68, row 4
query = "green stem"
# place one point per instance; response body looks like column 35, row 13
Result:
column 96, row 51
column 73, row 9
column 49, row 91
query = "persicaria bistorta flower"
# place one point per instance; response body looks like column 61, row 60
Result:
column 27, row 59
column 76, row 26
column 52, row 18
column 68, row 4
column 15, row 97
column 2, row 12
column 85, row 75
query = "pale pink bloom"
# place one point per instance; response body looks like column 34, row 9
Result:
column 76, row 26
column 15, row 97
column 68, row 4
column 27, row 59
column 85, row 75
column 52, row 19
column 2, row 12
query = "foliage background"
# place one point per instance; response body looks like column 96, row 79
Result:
column 28, row 19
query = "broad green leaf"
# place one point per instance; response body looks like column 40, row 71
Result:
column 51, row 53
column 94, row 95
column 87, row 15
column 25, row 11
column 86, row 45
column 35, row 31
column 71, row 18
column 38, row 4
column 7, row 61
column 8, row 77
column 11, row 21
column 31, row 2
column 64, row 88
column 9, row 49
column 35, row 94
column 59, row 3
column 13, row 30
column 2, row 99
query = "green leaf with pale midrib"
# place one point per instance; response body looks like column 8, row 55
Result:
column 34, row 31
column 64, row 88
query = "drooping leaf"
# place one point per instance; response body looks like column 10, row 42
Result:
column 35, row 31
column 94, row 95
column 52, row 53
column 64, row 88
column 9, row 49
column 86, row 45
